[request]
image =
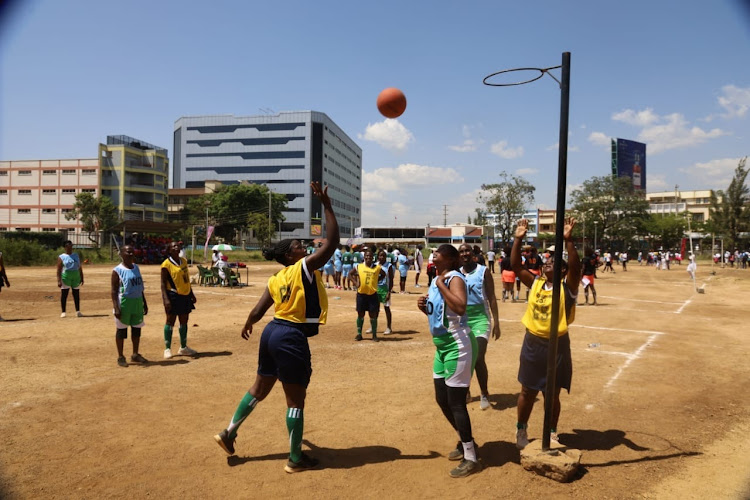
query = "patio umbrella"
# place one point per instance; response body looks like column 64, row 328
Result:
column 223, row 247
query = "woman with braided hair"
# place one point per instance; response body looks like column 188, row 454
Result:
column 301, row 305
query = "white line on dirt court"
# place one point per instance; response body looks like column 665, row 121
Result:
column 688, row 301
column 639, row 300
column 634, row 356
column 650, row 332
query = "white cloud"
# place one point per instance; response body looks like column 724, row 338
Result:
column 714, row 174
column 467, row 146
column 637, row 118
column 662, row 133
column 526, row 171
column 656, row 182
column 599, row 139
column 408, row 175
column 735, row 100
column 390, row 134
column 502, row 150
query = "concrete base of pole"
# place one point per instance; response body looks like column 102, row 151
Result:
column 559, row 463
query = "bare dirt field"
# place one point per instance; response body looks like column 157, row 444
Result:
column 656, row 405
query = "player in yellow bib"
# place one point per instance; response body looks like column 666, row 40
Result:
column 365, row 278
column 300, row 303
column 178, row 298
column 532, row 372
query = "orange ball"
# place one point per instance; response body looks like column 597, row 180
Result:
column 391, row 102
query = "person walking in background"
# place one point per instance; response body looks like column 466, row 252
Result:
column 480, row 301
column 128, row 304
column 403, row 268
column 532, row 372
column 69, row 277
column 3, row 276
column 418, row 261
column 347, row 259
column 455, row 353
column 300, row 306
column 491, row 260
column 431, row 270
column 178, row 298
column 589, row 264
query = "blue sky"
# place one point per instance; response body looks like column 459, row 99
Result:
column 672, row 74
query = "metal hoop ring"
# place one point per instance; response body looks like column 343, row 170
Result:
column 541, row 71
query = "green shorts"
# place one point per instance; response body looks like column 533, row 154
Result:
column 478, row 320
column 382, row 294
column 455, row 357
column 71, row 279
column 131, row 313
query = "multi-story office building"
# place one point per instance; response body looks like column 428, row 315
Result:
column 697, row 203
column 35, row 195
column 286, row 152
column 134, row 176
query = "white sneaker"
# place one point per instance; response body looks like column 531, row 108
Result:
column 167, row 353
column 484, row 403
column 553, row 437
column 78, row 313
column 387, row 331
column 186, row 351
column 369, row 330
column 522, row 439
column 62, row 315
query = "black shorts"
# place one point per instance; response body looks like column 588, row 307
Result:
column 284, row 353
column 532, row 372
column 368, row 303
column 181, row 304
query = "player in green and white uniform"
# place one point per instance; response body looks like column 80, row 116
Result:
column 69, row 276
column 128, row 304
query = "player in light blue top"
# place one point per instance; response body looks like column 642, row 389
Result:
column 403, row 268
column 455, row 354
column 128, row 304
column 69, row 276
column 480, row 292
column 337, row 267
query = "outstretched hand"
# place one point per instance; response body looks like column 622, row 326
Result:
column 570, row 223
column 321, row 193
column 521, row 228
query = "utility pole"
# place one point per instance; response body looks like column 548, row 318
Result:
column 445, row 215
column 269, row 217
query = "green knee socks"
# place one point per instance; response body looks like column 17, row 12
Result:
column 295, row 424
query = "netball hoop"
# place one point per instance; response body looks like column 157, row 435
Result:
column 562, row 169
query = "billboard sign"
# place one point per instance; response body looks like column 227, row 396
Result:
column 629, row 160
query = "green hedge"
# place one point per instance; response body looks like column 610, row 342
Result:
column 17, row 252
column 48, row 240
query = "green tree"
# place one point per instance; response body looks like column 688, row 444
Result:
column 259, row 224
column 479, row 218
column 666, row 230
column 730, row 209
column 233, row 207
column 509, row 200
column 618, row 210
column 95, row 214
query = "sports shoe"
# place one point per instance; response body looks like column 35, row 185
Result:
column 78, row 313
column 387, row 331
column 484, row 403
column 457, row 453
column 186, row 351
column 121, row 361
column 305, row 463
column 522, row 439
column 62, row 315
column 226, row 444
column 417, row 286
column 358, row 338
column 553, row 437
column 137, row 358
column 167, row 353
column 369, row 330
column 466, row 468
column 375, row 338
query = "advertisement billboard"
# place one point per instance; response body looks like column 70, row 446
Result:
column 629, row 160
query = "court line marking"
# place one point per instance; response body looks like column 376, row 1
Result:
column 688, row 301
column 630, row 359
column 639, row 300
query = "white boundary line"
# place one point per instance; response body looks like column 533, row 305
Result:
column 639, row 300
column 679, row 311
column 631, row 358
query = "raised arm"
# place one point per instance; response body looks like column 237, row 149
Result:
column 574, row 261
column 318, row 259
column 526, row 277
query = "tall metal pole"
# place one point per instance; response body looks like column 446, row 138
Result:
column 269, row 217
column 562, row 172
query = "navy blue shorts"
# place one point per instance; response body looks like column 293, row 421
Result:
column 368, row 303
column 532, row 372
column 181, row 304
column 284, row 353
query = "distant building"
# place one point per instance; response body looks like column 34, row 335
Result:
column 134, row 176
column 286, row 152
column 697, row 203
column 384, row 236
column 35, row 195
column 457, row 234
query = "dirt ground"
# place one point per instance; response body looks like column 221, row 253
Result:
column 656, row 405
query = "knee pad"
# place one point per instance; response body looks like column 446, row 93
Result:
column 136, row 332
column 122, row 333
